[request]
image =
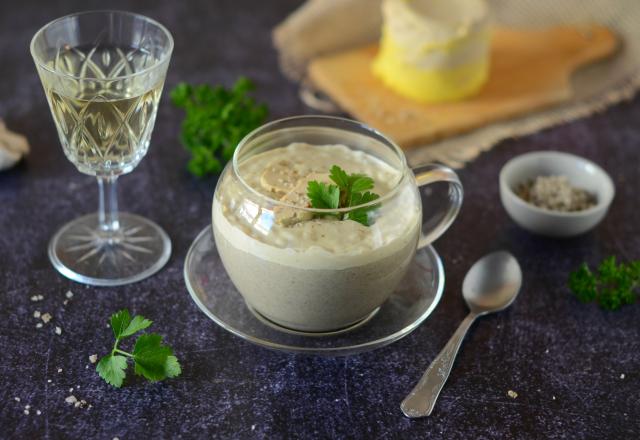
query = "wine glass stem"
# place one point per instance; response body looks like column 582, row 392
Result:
column 108, row 206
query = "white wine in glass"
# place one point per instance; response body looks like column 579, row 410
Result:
column 103, row 130
column 103, row 74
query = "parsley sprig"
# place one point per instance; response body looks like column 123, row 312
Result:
column 349, row 190
column 216, row 120
column 611, row 286
column 152, row 359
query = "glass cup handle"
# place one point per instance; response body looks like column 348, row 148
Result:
column 432, row 173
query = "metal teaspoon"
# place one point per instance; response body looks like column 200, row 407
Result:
column 491, row 285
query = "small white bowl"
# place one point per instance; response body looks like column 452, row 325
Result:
column 582, row 173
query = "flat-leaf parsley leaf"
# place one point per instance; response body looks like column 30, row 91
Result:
column 323, row 196
column 124, row 326
column 152, row 359
column 112, row 369
column 151, row 356
column 349, row 190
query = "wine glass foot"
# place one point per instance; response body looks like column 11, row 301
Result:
column 81, row 251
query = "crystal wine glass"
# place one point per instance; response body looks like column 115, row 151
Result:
column 103, row 73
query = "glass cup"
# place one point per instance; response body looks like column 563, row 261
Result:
column 103, row 73
column 296, row 266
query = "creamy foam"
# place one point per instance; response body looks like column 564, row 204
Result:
column 318, row 243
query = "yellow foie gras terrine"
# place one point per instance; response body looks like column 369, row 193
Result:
column 434, row 50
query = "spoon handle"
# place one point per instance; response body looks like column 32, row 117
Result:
column 422, row 398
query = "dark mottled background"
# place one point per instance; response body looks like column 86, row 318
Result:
column 546, row 345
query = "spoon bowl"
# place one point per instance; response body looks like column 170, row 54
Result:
column 492, row 283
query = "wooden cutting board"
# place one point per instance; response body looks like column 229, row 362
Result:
column 530, row 69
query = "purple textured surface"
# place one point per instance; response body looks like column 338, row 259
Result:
column 564, row 359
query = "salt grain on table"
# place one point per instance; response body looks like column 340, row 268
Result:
column 58, row 331
column 80, row 404
column 46, row 317
column 36, row 313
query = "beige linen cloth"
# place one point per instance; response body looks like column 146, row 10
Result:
column 320, row 27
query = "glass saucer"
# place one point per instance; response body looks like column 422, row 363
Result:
column 215, row 294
